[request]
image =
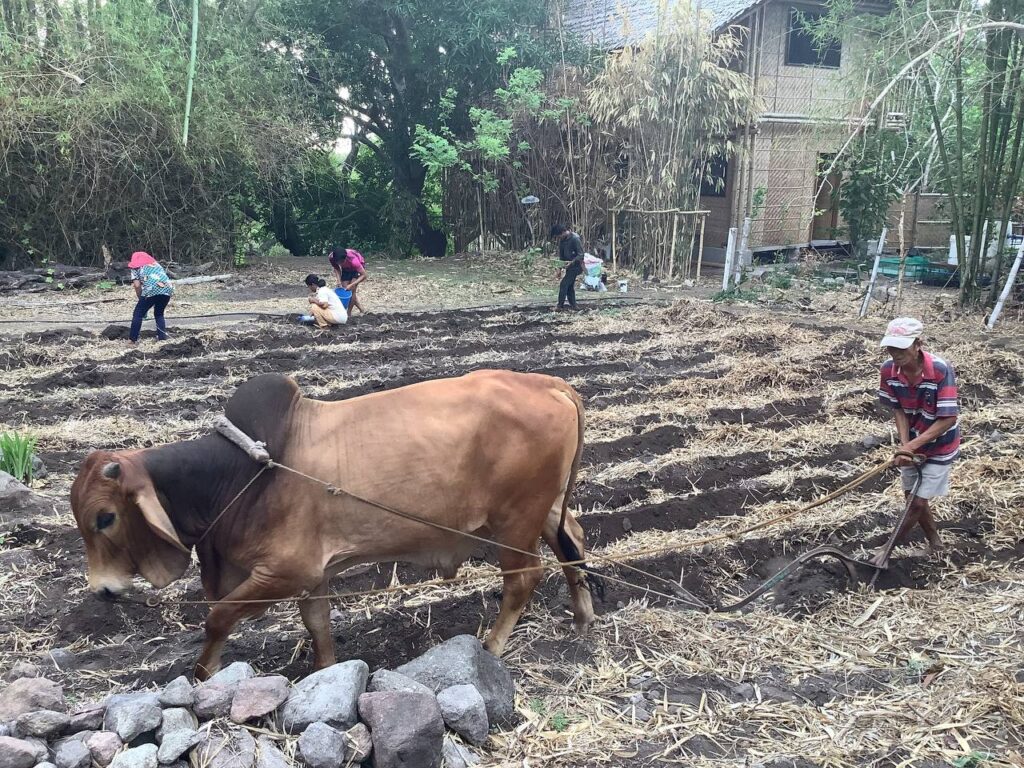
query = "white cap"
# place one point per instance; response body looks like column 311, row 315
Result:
column 902, row 332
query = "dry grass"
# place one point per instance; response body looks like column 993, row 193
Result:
column 913, row 677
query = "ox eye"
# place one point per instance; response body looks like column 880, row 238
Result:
column 104, row 520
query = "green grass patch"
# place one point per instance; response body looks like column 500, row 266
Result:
column 16, row 455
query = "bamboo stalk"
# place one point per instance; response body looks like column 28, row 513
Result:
column 700, row 248
column 672, row 248
column 191, row 71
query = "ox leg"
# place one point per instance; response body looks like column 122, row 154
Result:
column 516, row 593
column 579, row 593
column 261, row 586
column 316, row 615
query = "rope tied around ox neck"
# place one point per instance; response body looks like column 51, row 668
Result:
column 258, row 452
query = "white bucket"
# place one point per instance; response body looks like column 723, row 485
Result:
column 623, row 286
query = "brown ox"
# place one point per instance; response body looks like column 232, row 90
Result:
column 493, row 453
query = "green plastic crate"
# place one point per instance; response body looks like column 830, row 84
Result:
column 916, row 267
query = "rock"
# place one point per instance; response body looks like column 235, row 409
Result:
column 235, row 748
column 406, row 729
column 140, row 757
column 176, row 719
column 744, row 691
column 22, row 669
column 627, row 524
column 386, row 680
column 322, row 746
column 233, row 674
column 16, row 753
column 42, row 751
column 330, row 696
column 213, row 700
column 871, row 441
column 268, row 755
column 132, row 714
column 39, row 470
column 995, row 436
column 463, row 660
column 61, row 658
column 90, row 719
column 176, row 744
column 29, row 694
column 18, row 503
column 103, row 745
column 464, row 711
column 258, row 696
column 45, row 765
column 457, row 756
column 73, row 754
column 178, row 693
column 4, row 730
column 358, row 744
column 43, row 724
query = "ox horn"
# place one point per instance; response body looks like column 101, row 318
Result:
column 112, row 471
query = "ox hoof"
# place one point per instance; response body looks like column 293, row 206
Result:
column 582, row 626
column 203, row 673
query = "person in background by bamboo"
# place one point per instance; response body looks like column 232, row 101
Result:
column 349, row 269
column 153, row 289
column 324, row 303
column 921, row 390
column 570, row 250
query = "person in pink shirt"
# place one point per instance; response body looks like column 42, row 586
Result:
column 349, row 269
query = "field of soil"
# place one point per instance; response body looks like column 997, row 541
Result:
column 701, row 420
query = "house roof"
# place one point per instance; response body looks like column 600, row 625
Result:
column 614, row 23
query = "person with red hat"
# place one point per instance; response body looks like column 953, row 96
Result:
column 920, row 388
column 153, row 289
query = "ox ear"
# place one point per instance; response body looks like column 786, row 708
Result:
column 157, row 518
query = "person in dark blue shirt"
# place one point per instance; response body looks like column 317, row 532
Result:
column 570, row 250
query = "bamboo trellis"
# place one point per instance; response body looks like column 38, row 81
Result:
column 664, row 262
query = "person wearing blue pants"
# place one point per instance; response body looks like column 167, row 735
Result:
column 153, row 289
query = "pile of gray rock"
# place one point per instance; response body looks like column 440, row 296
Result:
column 339, row 716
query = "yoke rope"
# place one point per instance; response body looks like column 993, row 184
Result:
column 257, row 451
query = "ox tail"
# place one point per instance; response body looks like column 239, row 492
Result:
column 572, row 552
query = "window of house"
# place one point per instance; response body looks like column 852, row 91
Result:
column 801, row 47
column 712, row 182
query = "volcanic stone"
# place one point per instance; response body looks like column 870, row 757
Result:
column 464, row 711
column 406, row 728
column 463, row 660
column 457, row 756
column 176, row 744
column 29, row 694
column 330, row 696
column 213, row 700
column 132, row 714
column 87, row 720
column 386, row 680
column 73, row 754
column 235, row 748
column 16, row 753
column 233, row 674
column 358, row 744
column 178, row 693
column 176, row 719
column 268, row 755
column 258, row 696
column 22, row 669
column 139, row 757
column 103, row 745
column 322, row 746
column 43, row 724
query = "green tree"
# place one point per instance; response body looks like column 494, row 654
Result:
column 386, row 66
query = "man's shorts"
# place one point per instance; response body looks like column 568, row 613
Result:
column 934, row 480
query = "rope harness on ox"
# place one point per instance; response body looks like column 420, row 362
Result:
column 257, row 451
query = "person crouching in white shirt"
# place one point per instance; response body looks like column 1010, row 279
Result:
column 324, row 303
